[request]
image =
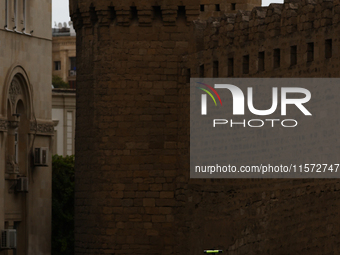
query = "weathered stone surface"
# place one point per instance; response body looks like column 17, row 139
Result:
column 133, row 131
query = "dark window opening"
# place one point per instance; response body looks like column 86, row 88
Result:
column 157, row 13
column 215, row 69
column 230, row 67
column 57, row 65
column 233, row 6
column 73, row 62
column 246, row 64
column 113, row 13
column 293, row 55
column 217, row 7
column 134, row 13
column 310, row 52
column 181, row 13
column 201, row 71
column 93, row 15
column 16, row 148
column 202, row 7
column 6, row 13
column 188, row 75
column 261, row 61
column 277, row 58
column 328, row 48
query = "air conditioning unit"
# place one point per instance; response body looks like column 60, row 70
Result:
column 73, row 72
column 40, row 156
column 22, row 184
column 9, row 239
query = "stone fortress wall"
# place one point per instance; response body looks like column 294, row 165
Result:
column 133, row 191
column 294, row 39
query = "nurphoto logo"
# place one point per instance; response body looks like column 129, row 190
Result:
column 238, row 107
column 264, row 128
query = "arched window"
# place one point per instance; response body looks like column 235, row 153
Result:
column 22, row 137
column 17, row 149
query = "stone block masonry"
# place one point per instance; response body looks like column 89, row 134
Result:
column 294, row 39
column 133, row 191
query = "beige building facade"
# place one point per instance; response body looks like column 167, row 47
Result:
column 63, row 116
column 64, row 55
column 26, row 129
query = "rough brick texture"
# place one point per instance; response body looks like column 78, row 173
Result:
column 133, row 192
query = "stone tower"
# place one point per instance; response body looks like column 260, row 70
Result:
column 131, row 122
column 133, row 191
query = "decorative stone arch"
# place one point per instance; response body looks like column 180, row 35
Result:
column 17, row 87
column 17, row 109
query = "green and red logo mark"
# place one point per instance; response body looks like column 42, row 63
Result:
column 204, row 96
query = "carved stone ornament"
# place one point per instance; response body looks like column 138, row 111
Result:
column 14, row 91
column 43, row 128
column 11, row 166
column 13, row 124
column 3, row 124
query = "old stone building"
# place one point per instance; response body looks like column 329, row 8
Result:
column 25, row 127
column 133, row 191
column 64, row 120
column 64, row 54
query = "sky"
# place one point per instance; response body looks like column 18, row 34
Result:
column 60, row 10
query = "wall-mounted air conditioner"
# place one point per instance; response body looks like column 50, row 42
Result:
column 9, row 239
column 22, row 184
column 40, row 156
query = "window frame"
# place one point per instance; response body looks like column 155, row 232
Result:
column 261, row 61
column 245, row 64
column 231, row 63
column 293, row 55
column 16, row 147
column 6, row 13
column 215, row 69
column 15, row 9
column 57, row 65
column 310, row 52
column 328, row 48
column 75, row 63
column 24, row 9
column 277, row 58
column 201, row 71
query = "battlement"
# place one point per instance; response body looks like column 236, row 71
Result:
column 274, row 20
column 145, row 13
column 279, row 40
